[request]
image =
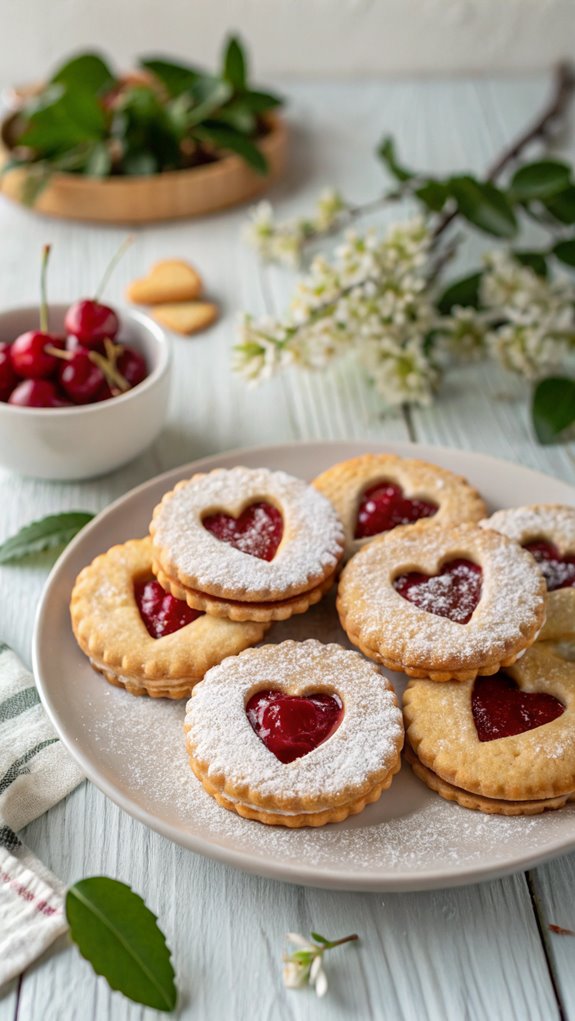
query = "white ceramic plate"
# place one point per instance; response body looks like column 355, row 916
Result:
column 132, row 748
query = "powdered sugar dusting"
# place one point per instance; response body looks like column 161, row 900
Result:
column 551, row 521
column 365, row 743
column 311, row 546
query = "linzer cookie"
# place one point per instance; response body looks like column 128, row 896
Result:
column 246, row 543
column 442, row 603
column 503, row 744
column 141, row 638
column 547, row 531
column 377, row 492
column 297, row 734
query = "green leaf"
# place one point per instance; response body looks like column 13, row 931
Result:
column 47, row 533
column 386, row 153
column 260, row 102
column 484, row 205
column 176, row 78
column 464, row 292
column 60, row 119
column 539, row 180
column 433, row 194
column 234, row 70
column 139, row 164
column 87, row 72
column 565, row 252
column 537, row 261
column 238, row 116
column 562, row 206
column 209, row 94
column 229, row 140
column 98, row 162
column 553, row 408
column 319, row 939
column 119, row 936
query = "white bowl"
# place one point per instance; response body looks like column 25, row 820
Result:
column 90, row 439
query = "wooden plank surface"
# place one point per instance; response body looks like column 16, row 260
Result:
column 469, row 953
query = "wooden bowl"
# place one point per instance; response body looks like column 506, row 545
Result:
column 172, row 195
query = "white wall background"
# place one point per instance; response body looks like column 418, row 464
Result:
column 311, row 37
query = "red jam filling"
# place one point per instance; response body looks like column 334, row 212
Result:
column 384, row 506
column 501, row 709
column 161, row 612
column 454, row 592
column 258, row 530
column 293, row 725
column 558, row 571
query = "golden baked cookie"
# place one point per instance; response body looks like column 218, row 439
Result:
column 443, row 603
column 168, row 281
column 502, row 744
column 547, row 530
column 249, row 536
column 297, row 734
column 139, row 637
column 186, row 317
column 375, row 493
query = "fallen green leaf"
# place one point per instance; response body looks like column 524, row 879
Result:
column 47, row 533
column 553, row 407
column 115, row 931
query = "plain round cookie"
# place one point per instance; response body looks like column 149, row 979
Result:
column 553, row 523
column 189, row 555
column 342, row 774
column 536, row 765
column 393, row 631
column 110, row 631
column 345, row 483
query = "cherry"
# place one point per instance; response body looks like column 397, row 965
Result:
column 29, row 357
column 80, row 378
column 8, row 377
column 132, row 366
column 36, row 393
column 91, row 322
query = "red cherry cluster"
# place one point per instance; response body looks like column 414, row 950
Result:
column 42, row 370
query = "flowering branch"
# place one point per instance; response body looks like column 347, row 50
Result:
column 305, row 965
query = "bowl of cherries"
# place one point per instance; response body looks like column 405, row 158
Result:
column 84, row 392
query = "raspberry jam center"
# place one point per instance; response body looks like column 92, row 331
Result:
column 384, row 506
column 558, row 571
column 257, row 531
column 161, row 612
column 501, row 709
column 454, row 592
column 293, row 725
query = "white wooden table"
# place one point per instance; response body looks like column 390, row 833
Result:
column 482, row 952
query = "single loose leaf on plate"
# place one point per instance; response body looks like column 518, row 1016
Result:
column 115, row 931
column 553, row 408
column 47, row 533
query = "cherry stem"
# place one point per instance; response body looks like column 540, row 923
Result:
column 57, row 352
column 110, row 371
column 112, row 265
column 43, row 298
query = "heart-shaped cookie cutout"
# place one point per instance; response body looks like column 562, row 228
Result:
column 257, row 531
column 384, row 506
column 453, row 592
column 501, row 709
column 168, row 280
column 161, row 612
column 187, row 317
column 558, row 571
column 291, row 726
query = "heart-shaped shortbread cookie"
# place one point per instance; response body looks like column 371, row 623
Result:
column 141, row 638
column 257, row 530
column 506, row 738
column 439, row 602
column 168, row 280
column 297, row 734
column 187, row 317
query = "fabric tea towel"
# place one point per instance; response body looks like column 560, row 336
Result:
column 36, row 771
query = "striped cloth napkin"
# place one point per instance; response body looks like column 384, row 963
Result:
column 36, row 771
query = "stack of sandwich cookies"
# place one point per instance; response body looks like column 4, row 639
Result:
column 140, row 637
column 297, row 734
column 442, row 603
column 503, row 744
column 246, row 544
column 547, row 531
column 375, row 493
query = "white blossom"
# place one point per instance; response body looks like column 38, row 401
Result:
column 305, row 964
column 462, row 334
